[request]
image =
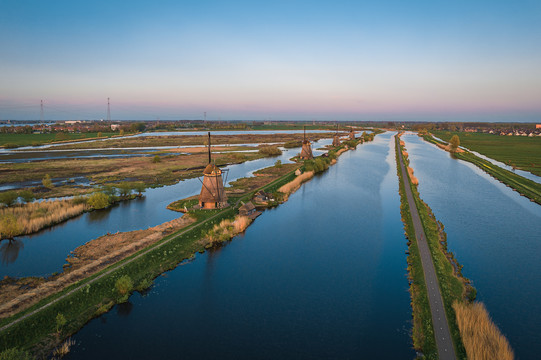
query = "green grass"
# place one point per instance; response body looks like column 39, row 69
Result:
column 39, row 139
column 520, row 151
column 525, row 187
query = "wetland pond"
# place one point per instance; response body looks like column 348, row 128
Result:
column 321, row 276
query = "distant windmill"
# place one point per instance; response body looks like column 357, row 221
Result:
column 352, row 134
column 306, row 152
column 212, row 194
column 336, row 138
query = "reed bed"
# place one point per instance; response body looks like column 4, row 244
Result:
column 227, row 229
column 414, row 180
column 481, row 337
column 296, row 183
column 32, row 217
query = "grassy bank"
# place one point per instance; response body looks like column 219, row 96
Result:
column 522, row 152
column 525, row 187
column 453, row 286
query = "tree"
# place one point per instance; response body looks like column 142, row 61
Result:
column 8, row 198
column 9, row 227
column 454, row 142
column 60, row 322
column 278, row 163
column 124, row 189
column 27, row 195
column 139, row 187
column 156, row 159
column 138, row 126
column 99, row 134
column 123, row 286
column 47, row 182
column 98, row 200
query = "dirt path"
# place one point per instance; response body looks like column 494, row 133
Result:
column 442, row 334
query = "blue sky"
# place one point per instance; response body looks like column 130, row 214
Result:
column 339, row 60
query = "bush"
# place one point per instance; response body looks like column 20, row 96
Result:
column 8, row 198
column 124, row 286
column 60, row 322
column 98, row 200
column 47, row 182
column 9, row 227
column 270, row 150
column 27, row 196
column 79, row 200
column 278, row 163
column 11, row 146
column 156, row 159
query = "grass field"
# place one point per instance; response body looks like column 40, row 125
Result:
column 520, row 151
column 39, row 139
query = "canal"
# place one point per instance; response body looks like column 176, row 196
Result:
column 321, row 276
column 494, row 232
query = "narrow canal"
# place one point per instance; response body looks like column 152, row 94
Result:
column 45, row 252
column 494, row 232
column 321, row 276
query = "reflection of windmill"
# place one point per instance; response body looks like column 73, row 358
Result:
column 336, row 138
column 212, row 194
column 306, row 152
column 10, row 250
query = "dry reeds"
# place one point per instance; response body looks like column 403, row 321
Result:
column 35, row 216
column 63, row 349
column 292, row 186
column 414, row 180
column 227, row 229
column 481, row 337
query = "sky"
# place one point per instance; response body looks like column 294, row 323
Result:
column 271, row 60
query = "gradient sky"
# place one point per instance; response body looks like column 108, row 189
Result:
column 335, row 60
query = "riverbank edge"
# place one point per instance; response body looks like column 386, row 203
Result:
column 453, row 285
column 520, row 184
column 35, row 329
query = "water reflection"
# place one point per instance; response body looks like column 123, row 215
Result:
column 124, row 309
column 9, row 249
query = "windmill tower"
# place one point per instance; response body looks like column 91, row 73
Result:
column 352, row 134
column 336, row 138
column 306, row 152
column 212, row 194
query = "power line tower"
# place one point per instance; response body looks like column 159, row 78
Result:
column 108, row 110
column 41, row 112
column 205, row 116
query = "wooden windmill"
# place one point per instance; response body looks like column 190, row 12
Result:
column 336, row 138
column 352, row 134
column 306, row 152
column 212, row 194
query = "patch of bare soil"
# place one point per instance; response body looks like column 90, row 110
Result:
column 19, row 294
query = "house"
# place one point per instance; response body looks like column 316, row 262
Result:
column 247, row 209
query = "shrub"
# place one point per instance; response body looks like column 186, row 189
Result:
column 124, row 286
column 60, row 322
column 278, row 163
column 156, row 159
column 11, row 146
column 47, row 182
column 27, row 196
column 270, row 150
column 98, row 200
column 100, row 134
column 9, row 227
column 79, row 200
column 8, row 198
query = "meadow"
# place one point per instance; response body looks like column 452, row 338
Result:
column 17, row 140
column 522, row 152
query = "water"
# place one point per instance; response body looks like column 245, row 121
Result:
column 321, row 276
column 495, row 234
column 45, row 252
